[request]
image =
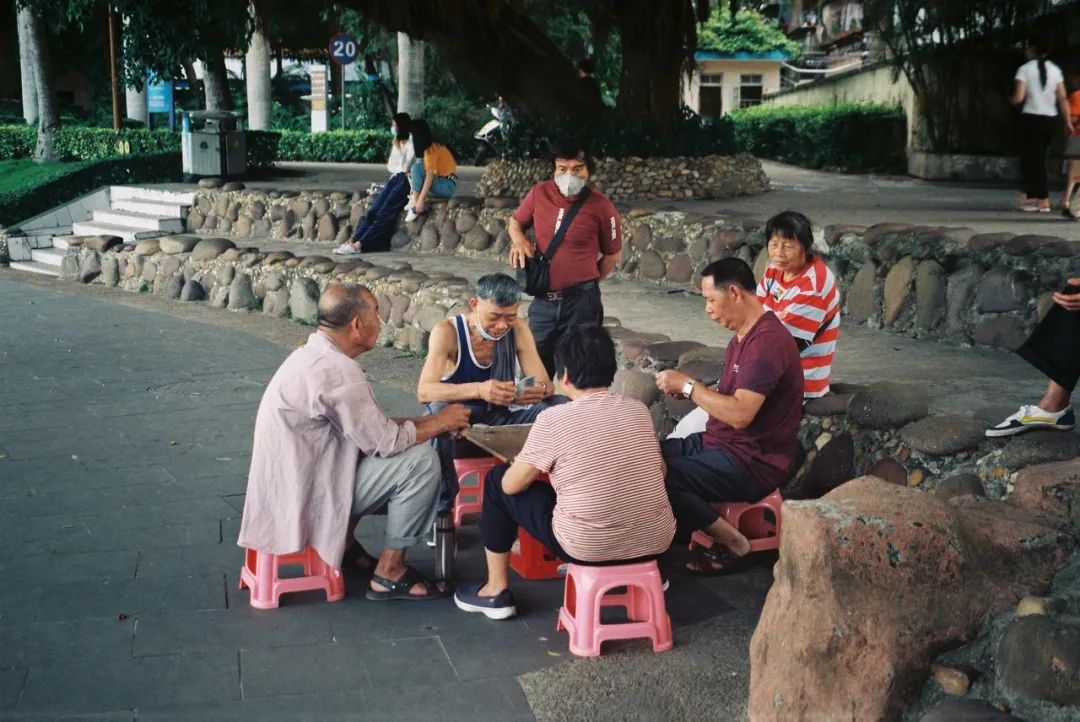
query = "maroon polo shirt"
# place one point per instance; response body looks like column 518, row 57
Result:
column 765, row 361
column 595, row 230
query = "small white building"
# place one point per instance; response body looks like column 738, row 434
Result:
column 722, row 82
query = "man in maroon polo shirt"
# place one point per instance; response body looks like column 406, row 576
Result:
column 589, row 250
column 750, row 442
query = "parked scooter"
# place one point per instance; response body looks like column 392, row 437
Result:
column 489, row 137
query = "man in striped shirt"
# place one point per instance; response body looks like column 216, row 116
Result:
column 606, row 501
column 801, row 290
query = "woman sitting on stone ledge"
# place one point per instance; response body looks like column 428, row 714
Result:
column 433, row 173
column 801, row 291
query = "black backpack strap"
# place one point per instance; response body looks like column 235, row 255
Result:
column 556, row 240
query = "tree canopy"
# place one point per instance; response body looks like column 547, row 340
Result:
column 744, row 32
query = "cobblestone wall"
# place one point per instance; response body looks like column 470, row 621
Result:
column 626, row 179
column 948, row 283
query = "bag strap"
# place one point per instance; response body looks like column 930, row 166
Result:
column 556, row 240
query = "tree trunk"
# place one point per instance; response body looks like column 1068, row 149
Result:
column 26, row 66
column 652, row 34
column 216, row 82
column 410, row 73
column 194, row 84
column 48, row 119
column 257, row 70
column 114, row 78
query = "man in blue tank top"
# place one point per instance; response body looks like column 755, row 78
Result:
column 475, row 359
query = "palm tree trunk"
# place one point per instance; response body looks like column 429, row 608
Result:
column 48, row 119
column 216, row 82
column 410, row 75
column 26, row 66
column 257, row 67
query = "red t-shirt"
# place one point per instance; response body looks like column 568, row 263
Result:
column 765, row 361
column 595, row 229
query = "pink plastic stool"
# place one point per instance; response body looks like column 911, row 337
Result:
column 470, row 476
column 752, row 520
column 584, row 595
column 260, row 575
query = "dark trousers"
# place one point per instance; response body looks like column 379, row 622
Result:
column 549, row 320
column 1036, row 134
column 381, row 218
column 1054, row 346
column 698, row 477
column 480, row 412
column 531, row 510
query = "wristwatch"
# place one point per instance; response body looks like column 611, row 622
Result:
column 688, row 388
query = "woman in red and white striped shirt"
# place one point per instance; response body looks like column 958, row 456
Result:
column 801, row 290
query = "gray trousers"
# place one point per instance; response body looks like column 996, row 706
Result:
column 405, row 485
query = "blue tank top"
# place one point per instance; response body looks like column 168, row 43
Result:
column 467, row 370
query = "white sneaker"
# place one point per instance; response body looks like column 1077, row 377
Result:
column 373, row 189
column 345, row 249
column 1032, row 417
column 411, row 215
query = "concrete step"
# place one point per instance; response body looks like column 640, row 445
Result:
column 50, row 256
column 35, row 267
column 138, row 220
column 151, row 194
column 129, row 234
column 162, row 209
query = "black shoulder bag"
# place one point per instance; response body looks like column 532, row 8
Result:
column 535, row 277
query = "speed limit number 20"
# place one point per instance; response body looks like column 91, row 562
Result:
column 343, row 49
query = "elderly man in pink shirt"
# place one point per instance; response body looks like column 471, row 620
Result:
column 325, row 454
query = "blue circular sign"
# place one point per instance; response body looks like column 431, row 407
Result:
column 343, row 49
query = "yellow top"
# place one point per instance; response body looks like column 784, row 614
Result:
column 439, row 160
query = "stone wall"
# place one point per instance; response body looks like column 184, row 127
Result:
column 627, row 179
column 946, row 283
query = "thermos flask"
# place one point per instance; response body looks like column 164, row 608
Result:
column 445, row 547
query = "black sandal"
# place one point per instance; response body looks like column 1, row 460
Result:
column 355, row 553
column 400, row 589
column 717, row 561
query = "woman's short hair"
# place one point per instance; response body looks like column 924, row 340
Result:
column 790, row 225
column 586, row 354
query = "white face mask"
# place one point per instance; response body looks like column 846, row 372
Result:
column 569, row 184
column 487, row 336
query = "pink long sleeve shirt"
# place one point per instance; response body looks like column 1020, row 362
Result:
column 316, row 417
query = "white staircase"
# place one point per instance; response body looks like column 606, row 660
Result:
column 129, row 212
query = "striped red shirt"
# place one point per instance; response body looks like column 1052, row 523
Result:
column 605, row 465
column 803, row 304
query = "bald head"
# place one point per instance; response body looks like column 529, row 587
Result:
column 340, row 303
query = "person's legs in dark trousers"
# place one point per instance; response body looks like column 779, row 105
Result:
column 548, row 320
column 377, row 226
column 1036, row 134
column 697, row 478
column 480, row 413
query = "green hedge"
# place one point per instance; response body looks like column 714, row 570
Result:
column 77, row 143
column 83, row 177
column 335, row 146
column 851, row 137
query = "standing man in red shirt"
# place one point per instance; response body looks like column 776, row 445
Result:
column 588, row 252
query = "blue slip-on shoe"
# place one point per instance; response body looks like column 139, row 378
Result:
column 501, row 606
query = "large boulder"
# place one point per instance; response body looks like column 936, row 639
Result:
column 887, row 404
column 1050, row 489
column 873, row 581
column 210, row 248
